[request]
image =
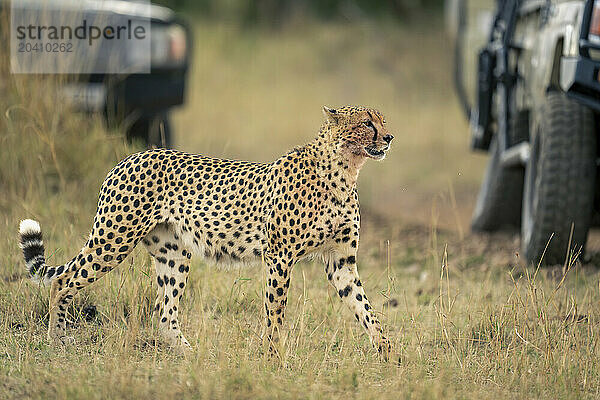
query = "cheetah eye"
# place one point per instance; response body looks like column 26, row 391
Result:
column 369, row 125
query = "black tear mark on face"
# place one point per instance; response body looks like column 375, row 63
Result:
column 372, row 126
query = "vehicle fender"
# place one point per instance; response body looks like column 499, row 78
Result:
column 562, row 19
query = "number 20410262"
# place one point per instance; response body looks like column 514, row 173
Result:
column 26, row 47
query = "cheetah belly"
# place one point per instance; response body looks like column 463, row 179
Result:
column 233, row 249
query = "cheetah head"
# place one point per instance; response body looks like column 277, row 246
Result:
column 359, row 131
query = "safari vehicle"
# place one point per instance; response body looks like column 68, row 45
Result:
column 140, row 103
column 535, row 111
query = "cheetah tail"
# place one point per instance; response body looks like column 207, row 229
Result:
column 30, row 241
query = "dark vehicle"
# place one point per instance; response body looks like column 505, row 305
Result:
column 138, row 102
column 536, row 105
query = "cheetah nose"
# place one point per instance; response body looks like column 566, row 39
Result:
column 388, row 138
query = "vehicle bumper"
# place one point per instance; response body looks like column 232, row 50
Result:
column 579, row 79
column 150, row 92
column 145, row 93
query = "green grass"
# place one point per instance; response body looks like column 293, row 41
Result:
column 475, row 324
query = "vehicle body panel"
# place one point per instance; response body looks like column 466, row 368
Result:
column 541, row 34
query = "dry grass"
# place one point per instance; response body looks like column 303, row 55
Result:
column 467, row 322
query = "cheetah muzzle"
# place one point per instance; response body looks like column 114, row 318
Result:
column 178, row 205
column 376, row 154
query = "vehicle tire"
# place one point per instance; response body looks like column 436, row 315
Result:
column 559, row 181
column 498, row 205
column 154, row 131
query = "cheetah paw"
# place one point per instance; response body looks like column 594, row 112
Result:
column 384, row 348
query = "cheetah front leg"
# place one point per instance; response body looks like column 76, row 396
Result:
column 342, row 273
column 278, row 283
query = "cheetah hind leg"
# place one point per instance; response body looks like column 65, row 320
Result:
column 171, row 285
column 172, row 264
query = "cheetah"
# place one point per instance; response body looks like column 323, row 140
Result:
column 178, row 204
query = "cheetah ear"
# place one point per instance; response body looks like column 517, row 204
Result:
column 331, row 115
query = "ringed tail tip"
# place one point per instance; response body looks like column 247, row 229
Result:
column 29, row 226
column 32, row 244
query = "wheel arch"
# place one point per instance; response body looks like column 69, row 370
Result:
column 554, row 83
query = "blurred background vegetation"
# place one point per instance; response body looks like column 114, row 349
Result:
column 278, row 12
